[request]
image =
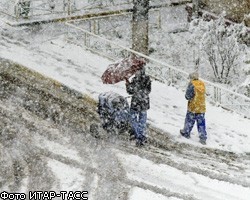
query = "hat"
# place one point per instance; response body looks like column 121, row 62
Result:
column 193, row 76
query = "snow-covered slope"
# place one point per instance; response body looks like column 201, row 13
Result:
column 58, row 159
column 81, row 70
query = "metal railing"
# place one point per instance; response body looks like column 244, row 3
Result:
column 30, row 8
column 23, row 9
column 158, row 70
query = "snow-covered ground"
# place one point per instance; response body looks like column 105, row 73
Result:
column 147, row 178
column 82, row 70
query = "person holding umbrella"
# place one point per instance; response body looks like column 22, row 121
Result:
column 139, row 88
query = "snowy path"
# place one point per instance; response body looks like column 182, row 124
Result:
column 45, row 155
column 74, row 163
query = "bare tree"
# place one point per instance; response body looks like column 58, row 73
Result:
column 220, row 44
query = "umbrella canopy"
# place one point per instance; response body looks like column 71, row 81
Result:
column 122, row 70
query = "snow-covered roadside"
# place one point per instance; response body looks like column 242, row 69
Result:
column 138, row 193
column 188, row 184
column 81, row 70
column 69, row 178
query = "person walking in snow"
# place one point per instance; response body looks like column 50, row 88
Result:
column 139, row 88
column 195, row 94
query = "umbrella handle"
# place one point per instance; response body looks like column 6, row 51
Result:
column 127, row 81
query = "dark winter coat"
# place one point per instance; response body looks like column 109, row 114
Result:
column 139, row 88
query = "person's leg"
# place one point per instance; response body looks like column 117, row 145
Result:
column 201, row 126
column 142, row 125
column 134, row 122
column 189, row 123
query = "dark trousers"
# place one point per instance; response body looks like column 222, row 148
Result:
column 138, row 122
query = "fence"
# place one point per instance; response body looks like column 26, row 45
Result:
column 19, row 9
column 159, row 70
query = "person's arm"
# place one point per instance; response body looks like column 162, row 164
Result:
column 148, row 85
column 130, row 87
column 190, row 92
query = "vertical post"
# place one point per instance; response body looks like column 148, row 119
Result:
column 98, row 27
column 170, row 76
column 32, row 8
column 90, row 26
column 16, row 11
column 140, row 26
column 85, row 39
column 69, row 7
column 64, row 4
column 219, row 95
column 159, row 19
column 215, row 96
column 94, row 27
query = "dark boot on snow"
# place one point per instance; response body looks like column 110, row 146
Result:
column 184, row 134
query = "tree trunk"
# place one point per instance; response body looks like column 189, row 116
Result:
column 140, row 26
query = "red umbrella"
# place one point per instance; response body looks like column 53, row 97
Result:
column 122, row 70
